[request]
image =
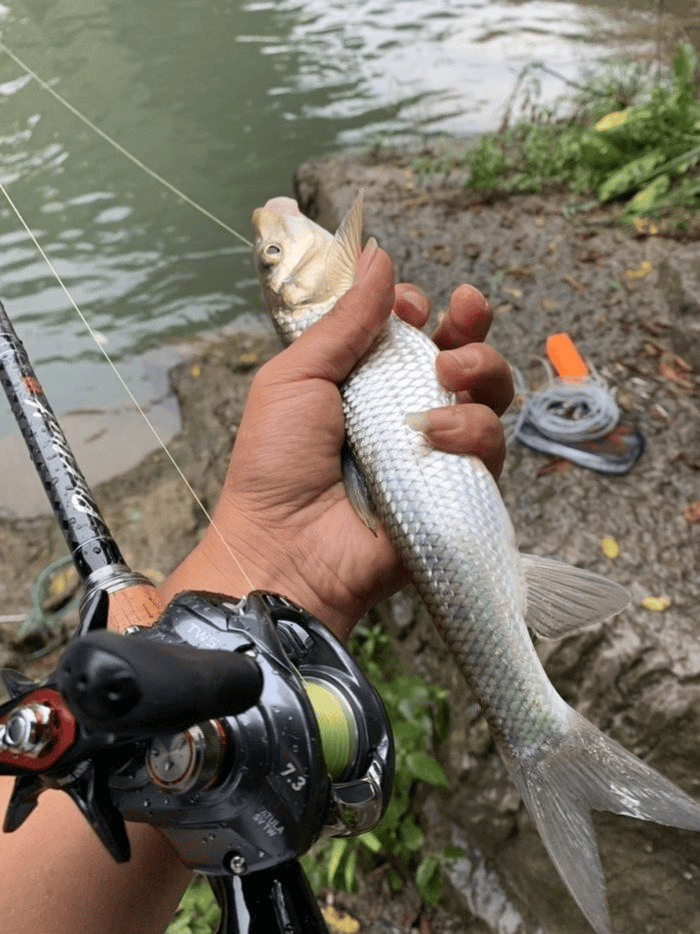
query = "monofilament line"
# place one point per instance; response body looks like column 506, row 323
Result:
column 125, row 152
column 124, row 384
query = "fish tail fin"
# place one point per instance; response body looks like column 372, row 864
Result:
column 584, row 770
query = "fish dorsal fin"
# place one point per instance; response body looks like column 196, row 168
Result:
column 344, row 251
column 562, row 599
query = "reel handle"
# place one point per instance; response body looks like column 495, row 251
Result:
column 132, row 686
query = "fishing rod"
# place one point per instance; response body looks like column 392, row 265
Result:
column 95, row 554
column 239, row 727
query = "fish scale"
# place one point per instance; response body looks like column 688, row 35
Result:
column 445, row 517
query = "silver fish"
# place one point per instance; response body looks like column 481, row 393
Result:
column 447, row 520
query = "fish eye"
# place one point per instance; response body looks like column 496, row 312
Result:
column 268, row 254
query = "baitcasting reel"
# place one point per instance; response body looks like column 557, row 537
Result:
column 242, row 729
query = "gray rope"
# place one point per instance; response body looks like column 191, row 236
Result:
column 566, row 411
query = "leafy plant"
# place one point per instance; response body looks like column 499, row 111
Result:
column 198, row 912
column 418, row 714
column 615, row 142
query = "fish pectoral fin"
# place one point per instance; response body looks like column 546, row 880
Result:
column 562, row 599
column 344, row 251
column 356, row 490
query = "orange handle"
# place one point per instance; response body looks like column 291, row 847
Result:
column 565, row 358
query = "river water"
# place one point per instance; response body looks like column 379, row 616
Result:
column 223, row 99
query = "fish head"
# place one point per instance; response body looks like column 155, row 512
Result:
column 302, row 268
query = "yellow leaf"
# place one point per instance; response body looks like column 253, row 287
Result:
column 616, row 118
column 643, row 270
column 644, row 226
column 657, row 604
column 195, row 370
column 609, row 547
column 62, row 582
column 338, row 921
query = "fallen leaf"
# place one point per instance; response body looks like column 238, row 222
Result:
column 657, row 604
column 682, row 364
column 339, row 922
column 522, row 272
column 644, row 226
column 691, row 513
column 575, row 284
column 556, row 465
column 678, row 371
column 653, row 349
column 195, row 370
column 590, row 256
column 657, row 328
column 609, row 547
column 62, row 585
column 640, row 272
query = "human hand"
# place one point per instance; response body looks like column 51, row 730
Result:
column 283, row 521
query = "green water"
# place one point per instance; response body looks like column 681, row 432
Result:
column 225, row 100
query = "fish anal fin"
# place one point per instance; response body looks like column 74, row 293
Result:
column 561, row 599
column 344, row 251
column 356, row 490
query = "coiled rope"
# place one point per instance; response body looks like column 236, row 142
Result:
column 568, row 412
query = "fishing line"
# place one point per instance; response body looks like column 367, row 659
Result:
column 124, row 384
column 125, row 152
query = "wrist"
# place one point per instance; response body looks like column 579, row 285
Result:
column 251, row 562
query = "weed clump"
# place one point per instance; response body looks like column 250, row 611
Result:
column 623, row 138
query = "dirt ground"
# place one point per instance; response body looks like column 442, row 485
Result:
column 631, row 302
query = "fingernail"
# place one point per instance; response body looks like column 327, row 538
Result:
column 474, row 289
column 414, row 298
column 443, row 419
column 418, row 421
column 366, row 258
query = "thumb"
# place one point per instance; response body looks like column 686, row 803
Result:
column 335, row 344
